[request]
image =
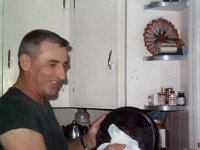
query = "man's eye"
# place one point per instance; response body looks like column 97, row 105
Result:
column 66, row 66
column 52, row 65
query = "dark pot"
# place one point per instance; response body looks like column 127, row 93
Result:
column 74, row 130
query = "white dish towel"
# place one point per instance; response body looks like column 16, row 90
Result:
column 118, row 136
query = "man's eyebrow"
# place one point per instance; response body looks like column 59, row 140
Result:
column 56, row 61
column 53, row 61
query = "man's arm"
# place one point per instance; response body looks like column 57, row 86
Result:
column 22, row 139
column 89, row 139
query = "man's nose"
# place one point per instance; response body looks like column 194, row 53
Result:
column 61, row 73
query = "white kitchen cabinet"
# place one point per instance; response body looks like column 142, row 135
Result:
column 22, row 16
column 98, row 55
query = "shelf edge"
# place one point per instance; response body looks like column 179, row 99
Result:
column 166, row 108
column 172, row 6
column 165, row 57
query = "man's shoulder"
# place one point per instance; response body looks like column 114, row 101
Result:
column 11, row 99
column 12, row 93
column 16, row 113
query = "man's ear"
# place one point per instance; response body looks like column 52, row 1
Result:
column 24, row 62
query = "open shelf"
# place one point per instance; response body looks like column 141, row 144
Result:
column 166, row 108
column 171, row 6
column 165, row 57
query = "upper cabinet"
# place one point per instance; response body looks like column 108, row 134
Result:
column 22, row 16
column 98, row 55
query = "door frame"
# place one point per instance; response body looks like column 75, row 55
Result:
column 194, row 84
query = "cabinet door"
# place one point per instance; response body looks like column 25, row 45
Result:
column 98, row 54
column 22, row 16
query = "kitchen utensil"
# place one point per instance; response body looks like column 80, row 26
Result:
column 74, row 130
column 135, row 123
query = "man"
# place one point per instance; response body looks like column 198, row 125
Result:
column 27, row 121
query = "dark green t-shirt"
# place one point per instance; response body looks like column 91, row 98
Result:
column 18, row 111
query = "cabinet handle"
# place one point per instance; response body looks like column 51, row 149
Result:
column 109, row 60
column 64, row 4
column 9, row 58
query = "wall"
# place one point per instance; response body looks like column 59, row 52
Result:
column 65, row 116
column 1, row 42
column 146, row 77
column 194, row 66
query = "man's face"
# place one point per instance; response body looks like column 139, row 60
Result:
column 48, row 69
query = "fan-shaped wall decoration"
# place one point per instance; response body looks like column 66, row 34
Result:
column 159, row 31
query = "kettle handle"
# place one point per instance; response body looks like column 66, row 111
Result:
column 85, row 129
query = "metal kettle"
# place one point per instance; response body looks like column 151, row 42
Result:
column 74, row 130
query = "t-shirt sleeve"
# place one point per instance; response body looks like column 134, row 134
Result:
column 16, row 114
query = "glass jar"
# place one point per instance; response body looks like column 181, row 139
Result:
column 172, row 98
column 181, row 99
column 151, row 100
column 82, row 117
column 161, row 98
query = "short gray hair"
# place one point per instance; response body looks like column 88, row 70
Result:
column 34, row 38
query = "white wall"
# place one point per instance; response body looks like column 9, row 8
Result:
column 194, row 93
column 146, row 77
column 1, row 46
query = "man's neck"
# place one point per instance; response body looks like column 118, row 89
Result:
column 27, row 89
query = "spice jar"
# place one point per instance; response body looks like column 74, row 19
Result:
column 172, row 98
column 151, row 100
column 181, row 99
column 161, row 98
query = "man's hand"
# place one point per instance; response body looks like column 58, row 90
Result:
column 115, row 147
column 89, row 138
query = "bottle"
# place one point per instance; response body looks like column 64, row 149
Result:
column 151, row 100
column 181, row 99
column 172, row 98
column 82, row 117
column 161, row 98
